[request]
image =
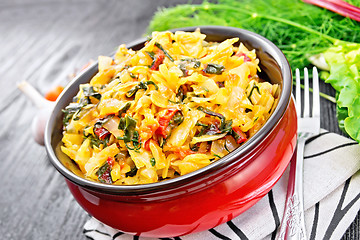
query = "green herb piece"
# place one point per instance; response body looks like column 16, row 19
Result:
column 165, row 52
column 188, row 62
column 177, row 119
column 128, row 125
column 141, row 85
column 211, row 129
column 132, row 91
column 215, row 114
column 152, row 161
column 211, row 113
column 181, row 93
column 94, row 141
column 104, row 173
column 103, row 169
column 70, row 111
column 73, row 109
column 225, row 125
column 162, row 141
column 151, row 55
column 203, row 130
column 201, row 124
column 122, row 123
column 124, row 108
column 147, row 83
column 90, row 92
column 132, row 75
column 136, row 140
column 132, row 172
column 182, row 67
column 197, row 63
column 99, row 123
column 226, row 148
column 212, row 68
column 194, row 147
column 252, row 89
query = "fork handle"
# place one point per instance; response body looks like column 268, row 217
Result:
column 293, row 224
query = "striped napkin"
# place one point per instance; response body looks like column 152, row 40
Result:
column 332, row 198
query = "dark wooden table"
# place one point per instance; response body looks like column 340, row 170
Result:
column 42, row 42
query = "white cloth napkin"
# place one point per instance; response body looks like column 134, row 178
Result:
column 331, row 198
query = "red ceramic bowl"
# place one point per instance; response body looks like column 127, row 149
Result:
column 209, row 196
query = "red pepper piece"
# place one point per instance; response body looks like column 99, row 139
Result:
column 102, row 133
column 110, row 161
column 183, row 152
column 240, row 135
column 147, row 144
column 246, row 58
column 164, row 120
column 159, row 58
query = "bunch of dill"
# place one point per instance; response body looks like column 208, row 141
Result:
column 300, row 30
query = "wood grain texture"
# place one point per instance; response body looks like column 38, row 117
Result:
column 42, row 42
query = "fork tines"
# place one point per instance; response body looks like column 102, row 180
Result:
column 315, row 90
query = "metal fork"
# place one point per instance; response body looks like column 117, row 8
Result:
column 293, row 224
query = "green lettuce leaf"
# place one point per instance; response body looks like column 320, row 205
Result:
column 341, row 114
column 352, row 123
column 344, row 62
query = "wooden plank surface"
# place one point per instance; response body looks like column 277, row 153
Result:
column 42, row 42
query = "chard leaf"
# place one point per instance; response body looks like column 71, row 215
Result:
column 141, row 85
column 213, row 68
column 72, row 110
column 132, row 172
column 128, row 125
column 124, row 108
column 90, row 92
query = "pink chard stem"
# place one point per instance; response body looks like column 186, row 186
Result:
column 338, row 6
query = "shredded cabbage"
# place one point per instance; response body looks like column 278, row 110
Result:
column 168, row 109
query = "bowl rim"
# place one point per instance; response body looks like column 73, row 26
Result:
column 238, row 153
